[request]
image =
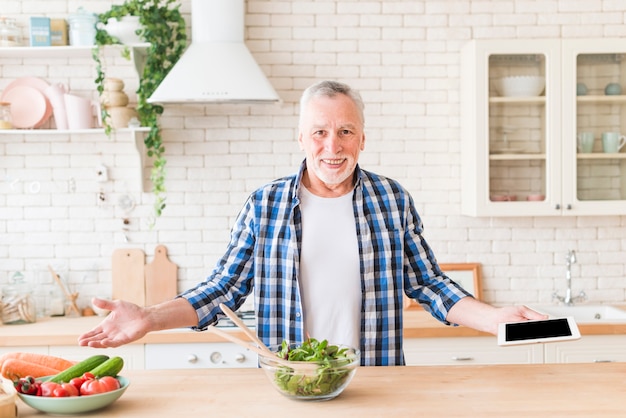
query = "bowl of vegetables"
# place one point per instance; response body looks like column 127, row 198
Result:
column 77, row 404
column 313, row 371
column 86, row 386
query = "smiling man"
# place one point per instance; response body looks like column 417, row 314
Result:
column 327, row 252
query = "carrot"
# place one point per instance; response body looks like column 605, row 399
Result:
column 41, row 359
column 14, row 369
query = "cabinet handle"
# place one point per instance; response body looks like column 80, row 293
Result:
column 569, row 206
column 459, row 358
column 192, row 358
column 557, row 207
column 604, row 361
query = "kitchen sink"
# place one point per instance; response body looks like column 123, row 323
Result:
column 584, row 313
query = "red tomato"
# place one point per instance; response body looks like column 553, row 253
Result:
column 70, row 389
column 104, row 384
column 77, row 382
column 48, row 388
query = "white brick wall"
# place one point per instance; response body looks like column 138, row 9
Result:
column 402, row 55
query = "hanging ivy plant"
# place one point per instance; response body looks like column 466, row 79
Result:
column 163, row 28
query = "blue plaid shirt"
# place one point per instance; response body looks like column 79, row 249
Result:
column 263, row 256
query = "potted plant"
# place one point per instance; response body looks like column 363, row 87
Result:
column 162, row 27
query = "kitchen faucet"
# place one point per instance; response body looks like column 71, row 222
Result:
column 568, row 300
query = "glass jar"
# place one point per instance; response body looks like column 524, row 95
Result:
column 82, row 28
column 5, row 116
column 18, row 304
column 9, row 32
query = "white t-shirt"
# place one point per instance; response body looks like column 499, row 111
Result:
column 330, row 279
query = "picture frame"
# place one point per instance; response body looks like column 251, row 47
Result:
column 468, row 275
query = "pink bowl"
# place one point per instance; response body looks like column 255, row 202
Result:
column 503, row 198
column 536, row 197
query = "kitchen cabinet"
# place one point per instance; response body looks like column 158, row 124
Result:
column 520, row 153
column 468, row 350
column 22, row 56
column 589, row 349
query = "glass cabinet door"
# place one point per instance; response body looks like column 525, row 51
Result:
column 511, row 93
column 595, row 173
column 517, row 127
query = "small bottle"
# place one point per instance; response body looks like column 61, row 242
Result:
column 18, row 304
column 5, row 116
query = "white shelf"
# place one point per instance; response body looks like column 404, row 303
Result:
column 67, row 131
column 59, row 51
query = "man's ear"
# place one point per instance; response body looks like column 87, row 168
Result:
column 300, row 141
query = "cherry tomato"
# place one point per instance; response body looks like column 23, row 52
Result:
column 70, row 389
column 54, row 390
column 77, row 382
column 102, row 385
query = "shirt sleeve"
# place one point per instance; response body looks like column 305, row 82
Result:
column 424, row 281
column 230, row 282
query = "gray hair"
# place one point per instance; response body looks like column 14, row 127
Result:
column 329, row 88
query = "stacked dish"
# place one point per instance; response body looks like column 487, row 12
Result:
column 520, row 86
column 30, row 108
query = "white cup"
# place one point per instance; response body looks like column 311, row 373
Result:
column 585, row 142
column 80, row 111
column 612, row 142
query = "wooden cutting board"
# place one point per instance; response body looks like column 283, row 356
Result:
column 161, row 277
column 128, row 275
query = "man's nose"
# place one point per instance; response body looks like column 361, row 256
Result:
column 333, row 143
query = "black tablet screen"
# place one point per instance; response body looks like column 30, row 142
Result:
column 538, row 329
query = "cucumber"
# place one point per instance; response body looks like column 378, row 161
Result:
column 111, row 367
column 79, row 369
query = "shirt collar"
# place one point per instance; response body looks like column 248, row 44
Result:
column 296, row 190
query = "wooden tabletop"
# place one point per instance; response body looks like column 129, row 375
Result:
column 556, row 390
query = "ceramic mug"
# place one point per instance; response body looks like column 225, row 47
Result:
column 585, row 142
column 55, row 93
column 80, row 111
column 612, row 142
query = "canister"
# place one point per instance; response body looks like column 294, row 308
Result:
column 82, row 28
column 9, row 32
column 18, row 304
column 5, row 115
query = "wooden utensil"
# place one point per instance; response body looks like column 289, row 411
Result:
column 261, row 348
column 128, row 275
column 71, row 297
column 161, row 276
column 251, row 334
column 230, row 337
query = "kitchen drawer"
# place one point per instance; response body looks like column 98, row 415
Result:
column 468, row 350
column 199, row 355
column 133, row 354
column 589, row 349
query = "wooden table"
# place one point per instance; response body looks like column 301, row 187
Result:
column 557, row 390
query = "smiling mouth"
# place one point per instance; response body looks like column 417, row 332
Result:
column 333, row 161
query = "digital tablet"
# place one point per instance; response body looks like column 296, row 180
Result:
column 538, row 331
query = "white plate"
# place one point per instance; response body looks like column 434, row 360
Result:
column 28, row 106
column 507, row 150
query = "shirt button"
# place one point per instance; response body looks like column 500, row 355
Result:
column 297, row 314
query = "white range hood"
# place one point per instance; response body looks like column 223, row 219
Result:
column 217, row 66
